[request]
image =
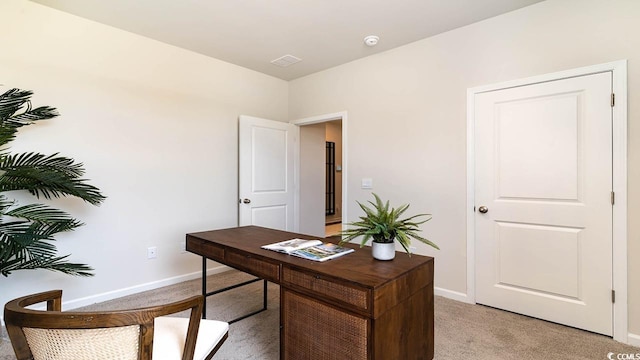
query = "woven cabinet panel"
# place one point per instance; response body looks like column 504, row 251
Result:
column 348, row 294
column 118, row 343
column 315, row 331
column 257, row 267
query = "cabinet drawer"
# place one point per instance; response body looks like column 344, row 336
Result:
column 356, row 296
column 205, row 248
column 258, row 267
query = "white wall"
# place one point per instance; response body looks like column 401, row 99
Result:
column 407, row 112
column 155, row 126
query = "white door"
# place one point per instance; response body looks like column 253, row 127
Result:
column 266, row 185
column 543, row 165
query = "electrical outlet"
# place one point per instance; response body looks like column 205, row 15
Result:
column 152, row 252
column 183, row 246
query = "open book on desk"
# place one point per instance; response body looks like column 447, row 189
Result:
column 314, row 250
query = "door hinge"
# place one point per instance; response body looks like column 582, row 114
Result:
column 613, row 198
column 613, row 296
column 613, row 99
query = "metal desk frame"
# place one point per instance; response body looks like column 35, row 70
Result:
column 206, row 294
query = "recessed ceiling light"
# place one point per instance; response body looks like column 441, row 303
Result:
column 371, row 40
column 286, row 60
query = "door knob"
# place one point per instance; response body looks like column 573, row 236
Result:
column 246, row 201
column 483, row 209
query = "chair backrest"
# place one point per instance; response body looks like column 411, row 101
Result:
column 123, row 334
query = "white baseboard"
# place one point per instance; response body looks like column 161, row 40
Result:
column 114, row 294
column 633, row 339
column 76, row 303
column 450, row 294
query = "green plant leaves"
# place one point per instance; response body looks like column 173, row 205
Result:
column 13, row 101
column 50, row 176
column 26, row 244
column 383, row 225
column 27, row 232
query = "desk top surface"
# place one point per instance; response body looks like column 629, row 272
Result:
column 358, row 266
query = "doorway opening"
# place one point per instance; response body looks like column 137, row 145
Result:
column 333, row 178
column 321, row 175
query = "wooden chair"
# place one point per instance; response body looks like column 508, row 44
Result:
column 142, row 334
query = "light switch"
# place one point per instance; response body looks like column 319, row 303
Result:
column 367, row 183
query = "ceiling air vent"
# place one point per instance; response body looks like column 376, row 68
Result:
column 286, row 60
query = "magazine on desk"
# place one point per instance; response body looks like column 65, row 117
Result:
column 314, row 250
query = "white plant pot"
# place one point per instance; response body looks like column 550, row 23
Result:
column 383, row 251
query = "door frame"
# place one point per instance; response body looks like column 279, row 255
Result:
column 619, row 173
column 342, row 115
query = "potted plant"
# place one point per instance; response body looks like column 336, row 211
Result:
column 384, row 226
column 27, row 231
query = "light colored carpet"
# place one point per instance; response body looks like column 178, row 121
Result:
column 462, row 331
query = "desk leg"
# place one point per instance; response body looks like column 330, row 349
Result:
column 264, row 295
column 205, row 294
column 204, row 287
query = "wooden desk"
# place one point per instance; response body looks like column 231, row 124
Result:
column 351, row 307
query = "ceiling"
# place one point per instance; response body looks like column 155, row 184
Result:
column 252, row 33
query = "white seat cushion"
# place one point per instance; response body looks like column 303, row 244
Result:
column 171, row 332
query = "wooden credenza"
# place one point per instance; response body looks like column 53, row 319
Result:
column 351, row 307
